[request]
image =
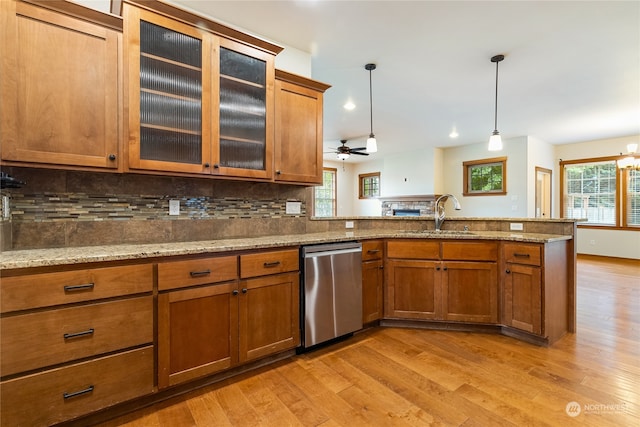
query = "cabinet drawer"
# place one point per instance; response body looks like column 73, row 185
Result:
column 48, row 289
column 413, row 249
column 61, row 394
column 470, row 251
column 36, row 340
column 520, row 253
column 181, row 274
column 372, row 249
column 273, row 262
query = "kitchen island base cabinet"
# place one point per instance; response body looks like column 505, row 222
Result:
column 470, row 292
column 413, row 290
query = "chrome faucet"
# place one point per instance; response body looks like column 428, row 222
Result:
column 439, row 208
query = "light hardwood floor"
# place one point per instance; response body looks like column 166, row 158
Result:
column 402, row 377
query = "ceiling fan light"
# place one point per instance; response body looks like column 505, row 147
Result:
column 343, row 156
column 372, row 145
column 495, row 141
column 632, row 148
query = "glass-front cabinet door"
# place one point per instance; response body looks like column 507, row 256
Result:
column 244, row 120
column 170, row 93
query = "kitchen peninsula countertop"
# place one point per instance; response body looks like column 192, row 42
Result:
column 32, row 258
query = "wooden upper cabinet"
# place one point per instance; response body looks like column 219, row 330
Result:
column 242, row 119
column 198, row 102
column 298, row 128
column 60, row 102
column 169, row 93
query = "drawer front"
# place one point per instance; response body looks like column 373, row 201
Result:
column 61, row 394
column 182, row 274
column 520, row 253
column 273, row 262
column 48, row 289
column 32, row 341
column 372, row 249
column 470, row 251
column 413, row 249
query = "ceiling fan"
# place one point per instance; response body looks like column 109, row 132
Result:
column 343, row 151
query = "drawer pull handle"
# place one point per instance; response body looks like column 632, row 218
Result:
column 373, row 251
column 78, row 393
column 516, row 254
column 79, row 334
column 271, row 264
column 83, row 287
column 200, row 273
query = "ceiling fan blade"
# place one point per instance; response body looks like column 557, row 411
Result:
column 358, row 148
column 359, row 153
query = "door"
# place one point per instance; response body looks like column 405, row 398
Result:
column 470, row 291
column 413, row 290
column 197, row 332
column 523, row 298
column 269, row 315
column 543, row 192
column 169, row 75
column 59, row 102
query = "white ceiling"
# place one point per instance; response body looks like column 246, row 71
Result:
column 571, row 72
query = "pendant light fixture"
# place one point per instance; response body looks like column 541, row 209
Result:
column 495, row 141
column 372, row 145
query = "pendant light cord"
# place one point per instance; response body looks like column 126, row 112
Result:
column 370, row 103
column 495, row 114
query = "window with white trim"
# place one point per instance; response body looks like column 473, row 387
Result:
column 324, row 202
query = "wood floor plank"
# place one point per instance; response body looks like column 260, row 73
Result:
column 410, row 377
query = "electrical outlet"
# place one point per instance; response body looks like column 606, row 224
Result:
column 516, row 226
column 348, row 224
column 174, row 207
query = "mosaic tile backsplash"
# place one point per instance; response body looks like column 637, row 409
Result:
column 96, row 207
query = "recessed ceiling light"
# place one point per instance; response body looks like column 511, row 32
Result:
column 349, row 106
column 454, row 133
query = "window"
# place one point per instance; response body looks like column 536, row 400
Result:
column 369, row 186
column 600, row 192
column 487, row 177
column 325, row 195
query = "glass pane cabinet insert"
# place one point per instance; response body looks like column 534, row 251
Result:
column 170, row 95
column 242, row 110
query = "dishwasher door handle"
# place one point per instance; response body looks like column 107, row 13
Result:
column 330, row 253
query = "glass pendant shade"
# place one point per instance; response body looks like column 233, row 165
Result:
column 343, row 156
column 372, row 145
column 495, row 142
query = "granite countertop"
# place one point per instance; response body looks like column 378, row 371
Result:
column 77, row 255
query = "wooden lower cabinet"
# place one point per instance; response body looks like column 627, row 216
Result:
column 196, row 332
column 470, row 291
column 211, row 327
column 372, row 280
column 523, row 298
column 451, row 281
column 61, row 394
column 269, row 316
column 413, row 290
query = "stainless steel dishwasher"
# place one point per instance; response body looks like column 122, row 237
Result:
column 332, row 294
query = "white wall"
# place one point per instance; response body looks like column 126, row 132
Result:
column 513, row 204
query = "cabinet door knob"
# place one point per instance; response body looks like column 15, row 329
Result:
column 112, row 157
column 244, row 290
column 444, row 268
column 206, row 165
column 278, row 172
column 381, row 267
column 216, row 165
column 437, row 268
column 235, row 292
column 508, row 271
